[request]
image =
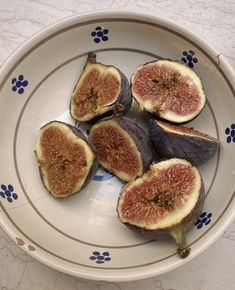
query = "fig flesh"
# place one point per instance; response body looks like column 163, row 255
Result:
column 66, row 159
column 97, row 91
column 169, row 90
column 164, row 202
column 122, row 147
column 182, row 142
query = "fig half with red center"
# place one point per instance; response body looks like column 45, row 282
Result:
column 164, row 202
column 66, row 159
column 169, row 90
column 122, row 147
column 182, row 142
column 97, row 91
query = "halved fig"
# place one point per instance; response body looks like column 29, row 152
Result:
column 122, row 147
column 97, row 91
column 182, row 142
column 169, row 90
column 164, row 202
column 66, row 159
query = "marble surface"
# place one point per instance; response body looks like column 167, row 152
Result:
column 214, row 20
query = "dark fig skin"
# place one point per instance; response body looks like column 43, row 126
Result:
column 195, row 149
column 93, row 168
column 137, row 134
column 140, row 138
column 124, row 98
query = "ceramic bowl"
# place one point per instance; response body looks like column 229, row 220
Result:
column 81, row 235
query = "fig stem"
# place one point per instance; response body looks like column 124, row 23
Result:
column 91, row 57
column 183, row 249
column 118, row 110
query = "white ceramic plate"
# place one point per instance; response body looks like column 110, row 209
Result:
column 81, row 235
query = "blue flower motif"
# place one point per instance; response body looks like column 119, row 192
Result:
column 230, row 132
column 100, row 258
column 204, row 219
column 8, row 193
column 101, row 177
column 100, row 34
column 189, row 58
column 18, row 84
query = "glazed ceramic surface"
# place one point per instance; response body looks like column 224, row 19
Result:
column 81, row 235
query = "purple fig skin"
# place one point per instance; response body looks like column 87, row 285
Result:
column 124, row 98
column 195, row 149
column 140, row 138
column 93, row 168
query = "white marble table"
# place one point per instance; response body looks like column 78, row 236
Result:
column 212, row 20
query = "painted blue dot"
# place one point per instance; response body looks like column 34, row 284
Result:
column 199, row 226
column 184, row 59
column 13, row 81
column 20, row 91
column 105, row 38
column 207, row 222
column 189, row 57
column 185, row 53
column 14, row 196
column 105, row 31
column 105, row 253
column 14, row 88
column 7, row 192
column 21, row 77
column 9, row 199
column 191, row 52
column 190, row 64
column 233, row 126
column 229, row 139
column 3, row 187
column 25, row 83
column 197, row 222
column 2, row 194
column 233, row 139
column 96, row 40
column 98, row 28
column 232, row 134
column 10, row 187
column 107, row 259
column 92, row 258
column 203, row 215
column 195, row 60
column 99, row 33
column 93, row 34
column 99, row 261
column 203, row 220
column 209, row 215
column 18, row 84
column 100, row 257
column 227, row 131
column 96, row 253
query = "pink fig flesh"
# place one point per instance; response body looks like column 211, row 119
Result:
column 164, row 202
